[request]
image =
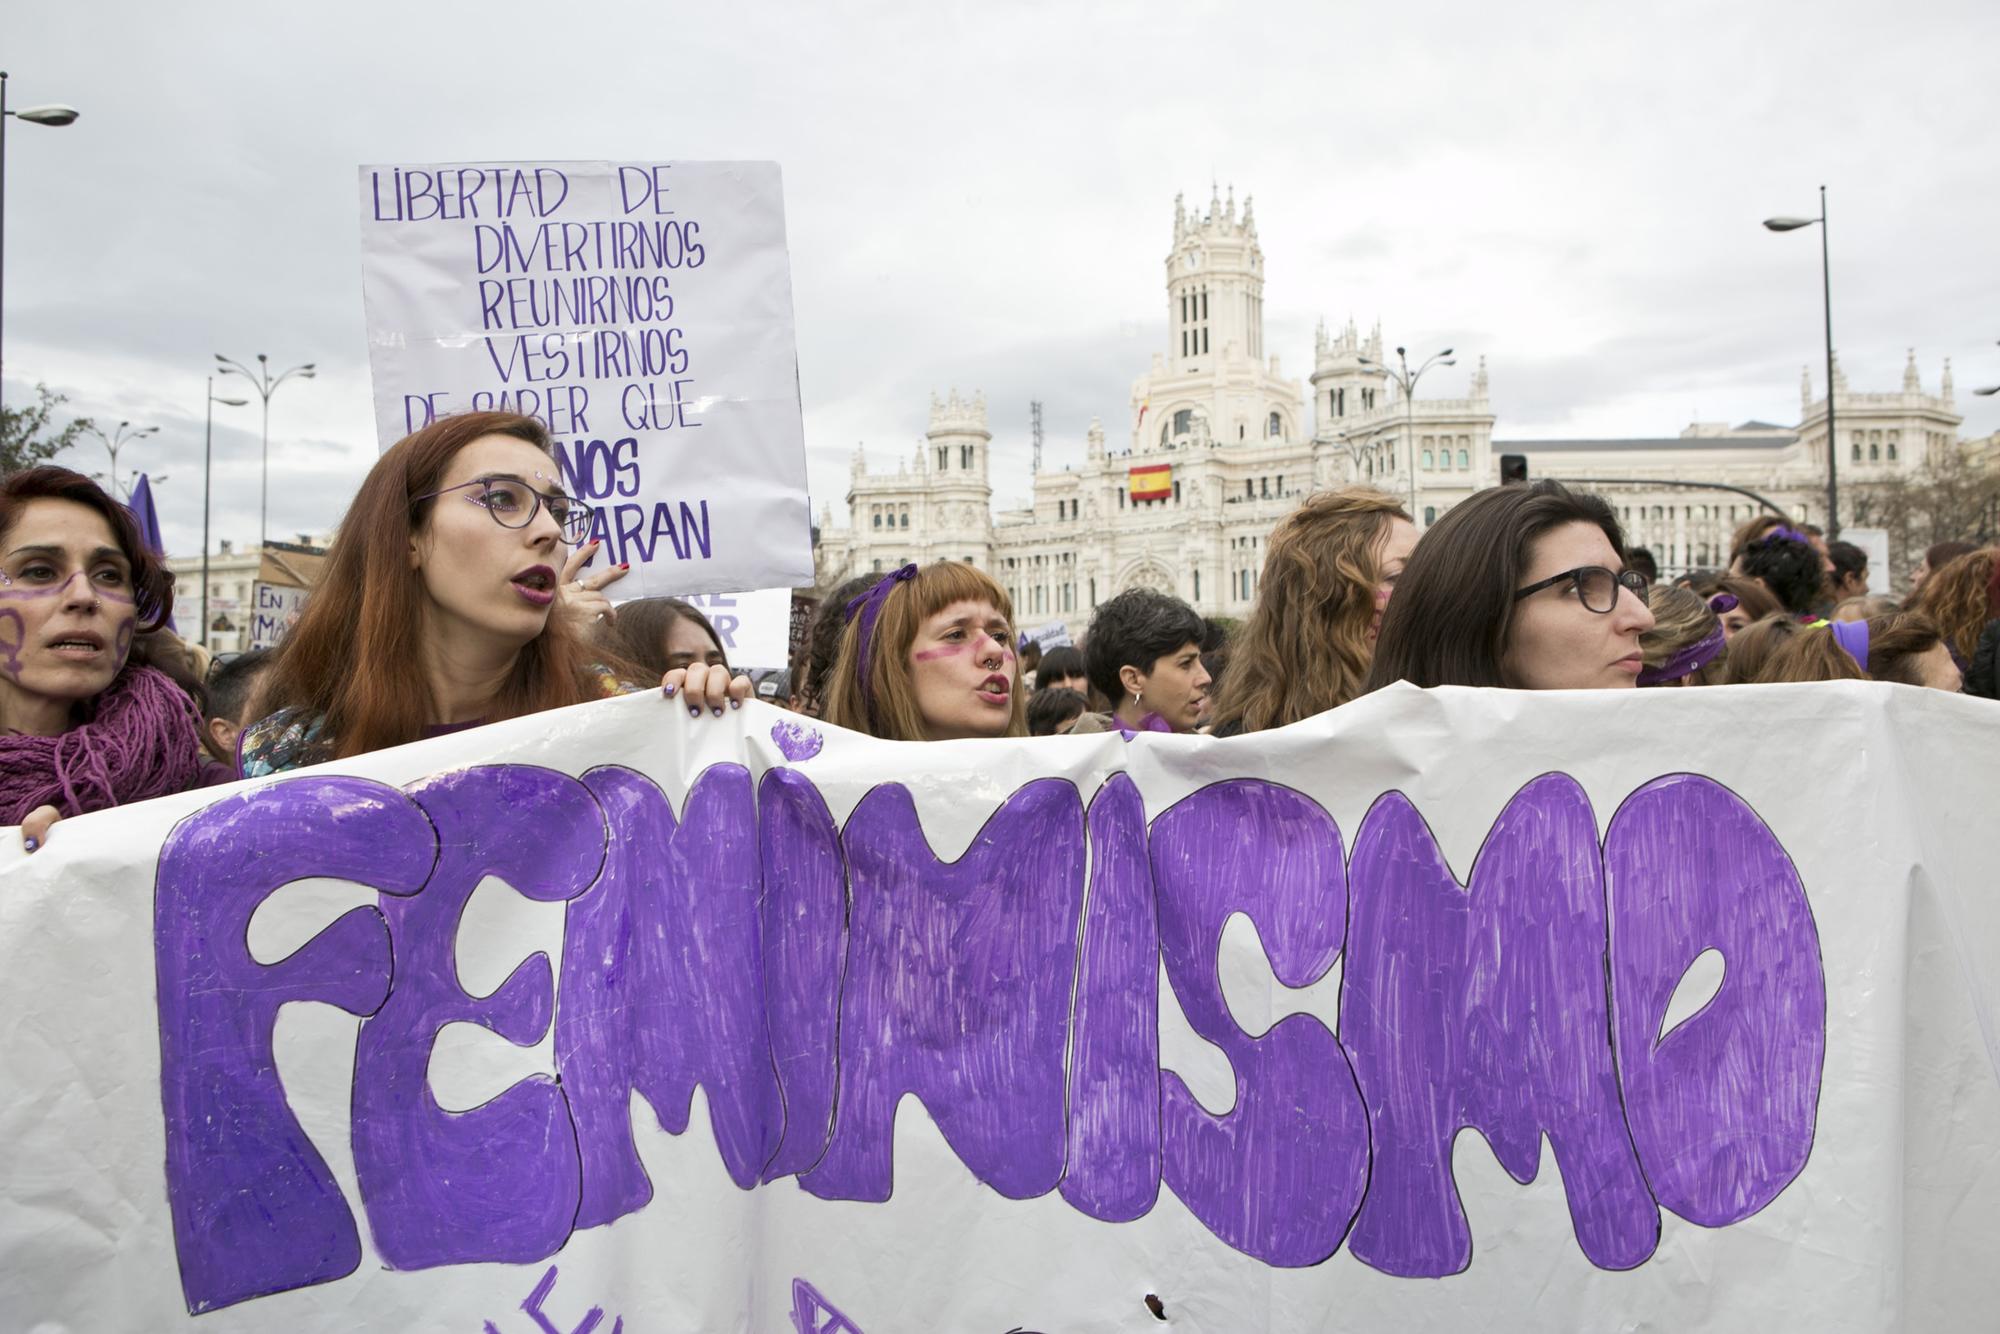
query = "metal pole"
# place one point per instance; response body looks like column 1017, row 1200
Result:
column 1409, row 429
column 1832, row 441
column 207, row 455
column 264, row 487
column 1766, row 502
column 3, row 214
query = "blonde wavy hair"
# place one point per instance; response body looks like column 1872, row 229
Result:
column 1781, row 648
column 1959, row 598
column 1305, row 648
column 908, row 605
column 1682, row 619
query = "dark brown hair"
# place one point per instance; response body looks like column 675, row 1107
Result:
column 1896, row 641
column 638, row 634
column 354, row 658
column 1454, row 606
column 1781, row 648
column 152, row 581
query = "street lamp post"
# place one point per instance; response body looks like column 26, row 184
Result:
column 1406, row 379
column 207, row 455
column 1826, row 293
column 54, row 115
column 121, row 436
column 266, row 385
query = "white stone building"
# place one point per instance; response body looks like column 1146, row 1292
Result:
column 232, row 574
column 1242, row 445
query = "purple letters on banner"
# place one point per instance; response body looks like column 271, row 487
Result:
column 662, row 985
column 1721, row 1108
column 808, row 976
column 1485, row 1008
column 957, row 990
column 255, row 1209
column 1114, row 1092
column 1281, row 1173
column 498, row 1182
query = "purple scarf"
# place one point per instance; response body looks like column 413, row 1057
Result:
column 143, row 740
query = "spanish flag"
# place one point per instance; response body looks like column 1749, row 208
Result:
column 1153, row 482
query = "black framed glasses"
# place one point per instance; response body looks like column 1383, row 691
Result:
column 513, row 504
column 1596, row 587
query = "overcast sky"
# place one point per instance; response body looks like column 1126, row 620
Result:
column 982, row 196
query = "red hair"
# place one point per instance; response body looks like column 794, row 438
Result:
column 354, row 656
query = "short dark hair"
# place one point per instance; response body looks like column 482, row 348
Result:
column 1059, row 664
column 1790, row 568
column 1050, row 711
column 1448, row 623
column 1136, row 629
column 1847, row 559
column 1940, row 554
column 1641, row 559
column 230, row 683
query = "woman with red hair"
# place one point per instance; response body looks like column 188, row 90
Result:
column 84, row 723
column 435, row 610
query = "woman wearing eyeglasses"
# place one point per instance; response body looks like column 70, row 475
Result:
column 434, row 613
column 1521, row 586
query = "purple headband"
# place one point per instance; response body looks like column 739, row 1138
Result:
column 869, row 604
column 1723, row 602
column 1687, row 662
column 1783, row 533
column 1852, row 636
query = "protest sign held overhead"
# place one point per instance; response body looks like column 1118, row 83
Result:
column 642, row 311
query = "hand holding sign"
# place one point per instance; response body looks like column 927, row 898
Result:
column 583, row 600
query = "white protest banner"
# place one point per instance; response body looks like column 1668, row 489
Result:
column 755, row 628
column 1053, row 635
column 1448, row 1010
column 642, row 311
column 274, row 607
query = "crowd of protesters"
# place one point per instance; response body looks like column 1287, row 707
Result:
column 454, row 596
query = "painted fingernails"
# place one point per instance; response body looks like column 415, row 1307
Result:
column 718, row 710
column 32, row 843
column 668, row 692
column 694, row 710
column 626, row 566
column 735, row 703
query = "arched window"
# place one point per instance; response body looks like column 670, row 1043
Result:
column 878, row 518
column 905, row 520
column 1430, row 515
column 1874, row 453
column 1183, row 421
column 1465, row 460
column 944, row 457
column 1428, row 463
column 1857, row 453
column 1892, row 451
column 1274, row 425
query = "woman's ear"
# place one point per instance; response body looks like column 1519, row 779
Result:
column 1132, row 679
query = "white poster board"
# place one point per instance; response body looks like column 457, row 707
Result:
column 1874, row 541
column 275, row 608
column 755, row 628
column 1447, row 1010
column 642, row 311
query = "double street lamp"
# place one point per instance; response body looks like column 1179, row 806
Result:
column 266, row 385
column 1826, row 293
column 121, row 436
column 1406, row 379
column 54, row 115
column 207, row 455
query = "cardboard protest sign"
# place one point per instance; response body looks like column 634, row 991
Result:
column 1053, row 635
column 1446, row 1010
column 642, row 311
column 275, row 607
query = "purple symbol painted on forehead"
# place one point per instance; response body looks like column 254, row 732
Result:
column 797, row 741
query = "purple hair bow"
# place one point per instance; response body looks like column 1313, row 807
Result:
column 869, row 605
column 1687, row 662
column 1723, row 602
column 1853, row 636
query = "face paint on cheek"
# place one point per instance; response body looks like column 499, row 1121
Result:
column 124, row 642
column 933, row 654
column 13, row 634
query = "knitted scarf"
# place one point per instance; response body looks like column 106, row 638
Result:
column 143, row 740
